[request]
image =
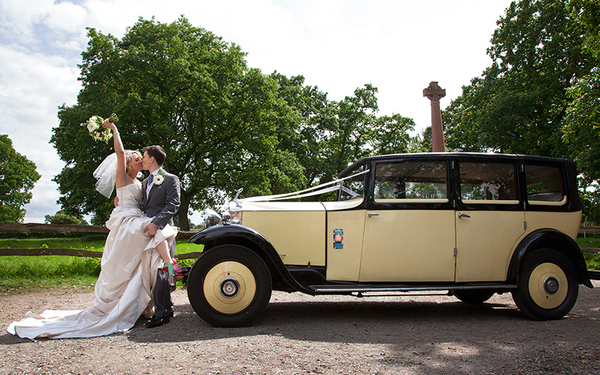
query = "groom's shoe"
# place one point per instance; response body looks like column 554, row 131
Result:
column 157, row 322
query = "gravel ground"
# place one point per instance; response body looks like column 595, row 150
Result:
column 300, row 334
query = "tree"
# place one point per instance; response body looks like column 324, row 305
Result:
column 331, row 134
column 583, row 116
column 519, row 103
column 307, row 137
column 390, row 135
column 18, row 176
column 582, row 122
column 62, row 218
column 187, row 90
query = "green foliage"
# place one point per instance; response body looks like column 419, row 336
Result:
column 591, row 259
column 540, row 95
column 519, row 103
column 582, row 125
column 223, row 125
column 326, row 136
column 18, row 176
column 62, row 218
column 186, row 89
column 390, row 135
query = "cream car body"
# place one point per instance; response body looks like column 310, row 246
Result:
column 472, row 224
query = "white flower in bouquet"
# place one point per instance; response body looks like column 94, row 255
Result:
column 92, row 124
column 94, row 127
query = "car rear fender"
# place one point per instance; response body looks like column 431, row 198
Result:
column 551, row 239
column 253, row 240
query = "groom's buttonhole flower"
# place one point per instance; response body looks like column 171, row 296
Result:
column 159, row 178
column 94, row 127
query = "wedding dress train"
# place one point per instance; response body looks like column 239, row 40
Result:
column 123, row 290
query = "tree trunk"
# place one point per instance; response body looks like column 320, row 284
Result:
column 184, row 222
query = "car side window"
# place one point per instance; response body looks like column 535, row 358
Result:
column 484, row 182
column 353, row 186
column 544, row 185
column 397, row 182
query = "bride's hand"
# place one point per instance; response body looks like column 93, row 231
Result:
column 108, row 125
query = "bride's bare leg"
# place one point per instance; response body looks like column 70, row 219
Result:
column 163, row 250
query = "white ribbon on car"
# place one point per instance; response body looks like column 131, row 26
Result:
column 322, row 189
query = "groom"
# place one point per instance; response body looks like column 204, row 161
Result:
column 161, row 198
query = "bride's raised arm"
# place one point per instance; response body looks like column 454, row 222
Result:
column 120, row 152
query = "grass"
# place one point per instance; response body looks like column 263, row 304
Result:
column 23, row 273
column 591, row 259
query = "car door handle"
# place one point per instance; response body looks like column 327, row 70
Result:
column 461, row 215
column 372, row 214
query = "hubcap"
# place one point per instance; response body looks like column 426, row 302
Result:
column 229, row 287
column 548, row 285
column 551, row 285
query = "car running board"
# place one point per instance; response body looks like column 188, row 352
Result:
column 336, row 289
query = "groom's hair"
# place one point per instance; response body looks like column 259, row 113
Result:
column 157, row 152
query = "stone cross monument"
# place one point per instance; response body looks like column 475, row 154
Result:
column 435, row 93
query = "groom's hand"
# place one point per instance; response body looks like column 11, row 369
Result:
column 151, row 230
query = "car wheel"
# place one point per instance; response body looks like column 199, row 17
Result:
column 229, row 286
column 547, row 285
column 474, row 296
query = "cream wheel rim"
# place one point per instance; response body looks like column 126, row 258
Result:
column 229, row 287
column 548, row 285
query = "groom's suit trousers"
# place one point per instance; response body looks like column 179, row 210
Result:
column 162, row 295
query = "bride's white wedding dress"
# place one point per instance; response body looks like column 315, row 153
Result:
column 123, row 290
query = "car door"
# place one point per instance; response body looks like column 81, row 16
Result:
column 409, row 231
column 489, row 218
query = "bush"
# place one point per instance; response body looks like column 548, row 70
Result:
column 63, row 219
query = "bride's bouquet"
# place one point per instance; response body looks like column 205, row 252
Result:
column 94, row 127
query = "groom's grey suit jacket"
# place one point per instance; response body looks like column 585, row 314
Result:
column 162, row 203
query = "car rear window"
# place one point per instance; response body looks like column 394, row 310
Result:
column 485, row 182
column 544, row 184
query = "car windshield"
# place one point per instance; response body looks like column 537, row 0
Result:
column 352, row 186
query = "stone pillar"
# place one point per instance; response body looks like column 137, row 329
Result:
column 435, row 93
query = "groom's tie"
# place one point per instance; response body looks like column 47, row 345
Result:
column 149, row 184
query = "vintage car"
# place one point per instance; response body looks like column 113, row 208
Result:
column 470, row 224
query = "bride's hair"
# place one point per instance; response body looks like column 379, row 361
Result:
column 129, row 157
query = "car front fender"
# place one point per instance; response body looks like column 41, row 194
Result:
column 253, row 240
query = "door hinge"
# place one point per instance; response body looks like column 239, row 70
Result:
column 525, row 225
column 455, row 251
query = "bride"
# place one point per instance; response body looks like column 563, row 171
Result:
column 129, row 261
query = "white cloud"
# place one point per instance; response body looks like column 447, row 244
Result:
column 67, row 17
column 18, row 19
column 33, row 86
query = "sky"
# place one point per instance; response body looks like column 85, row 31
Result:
column 399, row 46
